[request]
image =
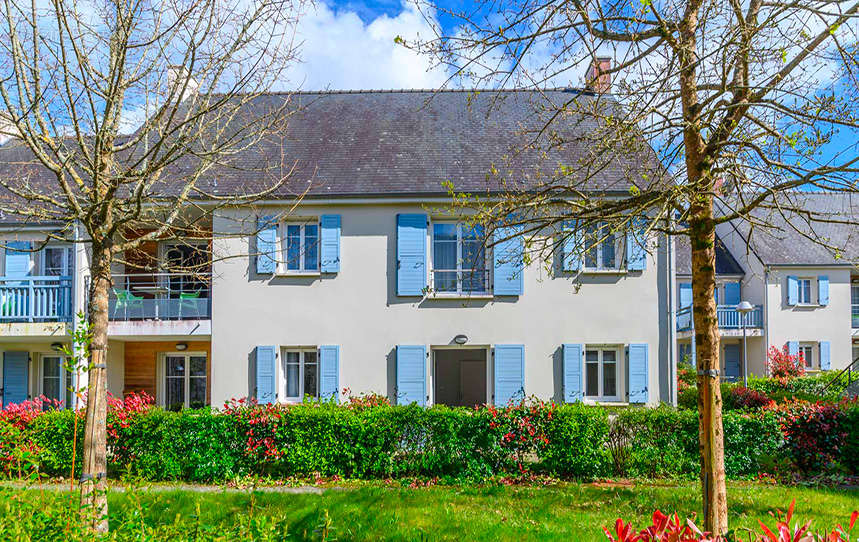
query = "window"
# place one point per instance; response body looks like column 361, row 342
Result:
column 57, row 380
column 854, row 301
column 604, row 245
column 804, row 291
column 459, row 259
column 57, row 261
column 806, row 350
column 301, row 248
column 184, row 381
column 301, row 374
column 601, row 374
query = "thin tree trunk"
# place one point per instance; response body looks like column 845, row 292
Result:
column 710, row 432
column 94, row 474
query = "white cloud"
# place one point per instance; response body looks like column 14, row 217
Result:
column 339, row 51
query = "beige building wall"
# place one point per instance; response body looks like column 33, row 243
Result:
column 358, row 309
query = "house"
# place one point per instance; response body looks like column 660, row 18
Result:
column 800, row 276
column 368, row 281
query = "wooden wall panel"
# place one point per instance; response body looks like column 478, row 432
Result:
column 141, row 364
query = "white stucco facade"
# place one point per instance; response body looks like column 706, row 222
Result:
column 359, row 310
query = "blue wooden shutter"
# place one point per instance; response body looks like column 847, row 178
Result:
column 266, row 248
column 509, row 373
column 638, row 373
column 329, row 372
column 330, row 243
column 572, row 373
column 508, row 263
column 411, row 375
column 266, row 370
column 823, row 290
column 825, row 356
column 570, row 259
column 636, row 248
column 792, row 290
column 732, row 293
column 411, row 254
column 793, row 348
column 16, row 376
column 18, row 258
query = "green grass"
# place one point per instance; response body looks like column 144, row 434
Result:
column 574, row 512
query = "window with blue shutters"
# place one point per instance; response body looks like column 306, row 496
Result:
column 300, row 247
column 459, row 264
column 302, row 373
column 509, row 370
column 638, row 373
column 411, row 254
column 602, row 369
column 411, row 375
column 603, row 248
column 572, row 373
column 508, row 254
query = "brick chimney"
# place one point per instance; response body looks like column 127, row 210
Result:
column 597, row 79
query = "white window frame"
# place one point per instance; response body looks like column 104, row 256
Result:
column 620, row 361
column 815, row 362
column 460, row 271
column 64, row 376
column 283, row 263
column 619, row 253
column 161, row 386
column 68, row 259
column 282, row 380
column 799, row 290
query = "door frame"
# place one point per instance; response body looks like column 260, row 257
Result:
column 487, row 350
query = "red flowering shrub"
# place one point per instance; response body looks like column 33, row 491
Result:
column 784, row 366
column 121, row 411
column 687, row 377
column 741, row 397
column 814, row 432
column 524, row 427
column 669, row 529
column 365, row 400
column 22, row 414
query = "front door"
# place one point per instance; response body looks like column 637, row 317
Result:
column 732, row 361
column 16, row 375
column 472, row 382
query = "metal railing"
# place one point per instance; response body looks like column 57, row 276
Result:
column 36, row 299
column 160, row 296
column 459, row 283
column 728, row 316
column 844, row 378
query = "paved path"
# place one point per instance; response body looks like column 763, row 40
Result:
column 53, row 486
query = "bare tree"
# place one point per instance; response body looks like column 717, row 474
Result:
column 744, row 104
column 128, row 118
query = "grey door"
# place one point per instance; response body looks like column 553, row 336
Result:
column 732, row 361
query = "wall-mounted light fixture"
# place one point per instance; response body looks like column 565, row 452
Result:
column 57, row 347
column 181, row 346
column 460, row 339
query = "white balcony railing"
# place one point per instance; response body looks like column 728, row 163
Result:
column 728, row 315
column 160, row 296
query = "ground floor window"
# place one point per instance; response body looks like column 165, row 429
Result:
column 806, row 350
column 57, row 380
column 184, row 381
column 601, row 373
column 300, row 374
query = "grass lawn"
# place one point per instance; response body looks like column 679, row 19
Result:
column 574, row 512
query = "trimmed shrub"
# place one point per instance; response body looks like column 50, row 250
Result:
column 850, row 450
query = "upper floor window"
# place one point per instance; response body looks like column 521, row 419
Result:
column 57, row 261
column 604, row 248
column 301, row 247
column 459, row 258
column 804, row 291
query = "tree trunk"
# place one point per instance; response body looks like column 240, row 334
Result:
column 710, row 433
column 94, row 475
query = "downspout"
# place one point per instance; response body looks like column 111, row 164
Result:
column 672, row 325
column 77, row 290
column 766, row 319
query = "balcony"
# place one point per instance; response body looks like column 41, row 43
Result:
column 160, row 296
column 728, row 316
column 36, row 299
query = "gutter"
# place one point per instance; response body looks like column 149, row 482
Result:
column 672, row 325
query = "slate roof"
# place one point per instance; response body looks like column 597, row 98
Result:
column 819, row 235
column 407, row 143
column 726, row 264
